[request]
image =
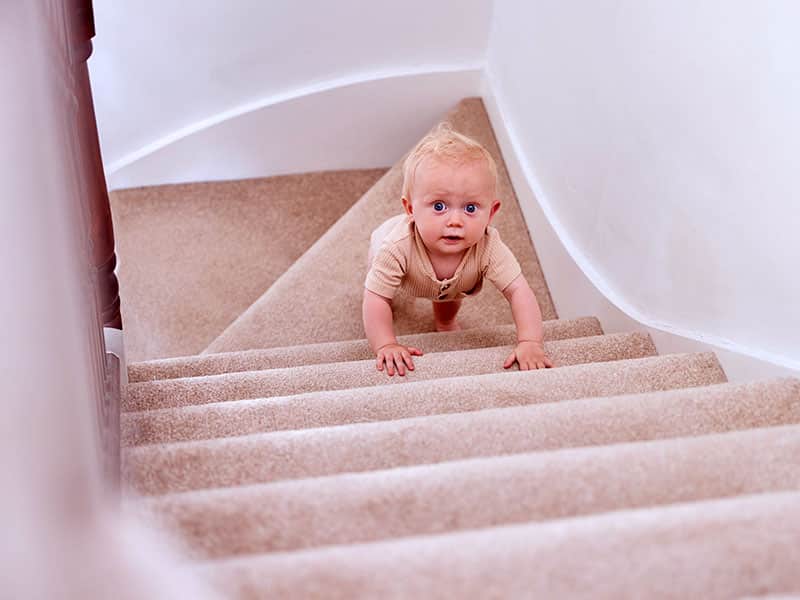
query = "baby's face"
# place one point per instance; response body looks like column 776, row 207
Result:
column 451, row 204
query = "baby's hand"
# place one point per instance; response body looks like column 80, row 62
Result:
column 529, row 355
column 396, row 356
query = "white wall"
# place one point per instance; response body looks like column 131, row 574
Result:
column 353, row 126
column 663, row 141
column 161, row 72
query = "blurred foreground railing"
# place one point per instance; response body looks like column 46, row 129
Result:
column 77, row 19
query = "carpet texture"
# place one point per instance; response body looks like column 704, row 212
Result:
column 193, row 256
column 480, row 492
column 353, row 374
column 289, row 467
column 293, row 356
column 710, row 549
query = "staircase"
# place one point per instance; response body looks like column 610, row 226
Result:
column 288, row 466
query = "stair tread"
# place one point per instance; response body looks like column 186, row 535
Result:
column 712, row 548
column 352, row 374
column 157, row 469
column 476, row 493
column 178, row 244
column 418, row 398
column 349, row 350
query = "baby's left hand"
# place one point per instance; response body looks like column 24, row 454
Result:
column 529, row 355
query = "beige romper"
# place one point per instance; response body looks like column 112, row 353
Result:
column 401, row 261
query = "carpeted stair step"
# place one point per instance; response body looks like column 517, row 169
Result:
column 476, row 493
column 419, row 398
column 194, row 256
column 280, row 317
column 329, row 352
column 294, row 380
column 720, row 548
column 261, row 458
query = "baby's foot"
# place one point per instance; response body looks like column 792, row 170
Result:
column 453, row 325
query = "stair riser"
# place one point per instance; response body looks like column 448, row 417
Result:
column 294, row 356
column 296, row 380
column 481, row 493
column 717, row 549
column 365, row 447
column 385, row 403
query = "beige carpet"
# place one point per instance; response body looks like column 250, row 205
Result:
column 289, row 467
column 193, row 257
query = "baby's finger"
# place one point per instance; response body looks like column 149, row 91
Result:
column 398, row 360
column 389, row 366
column 408, row 361
column 510, row 360
column 415, row 351
column 379, row 362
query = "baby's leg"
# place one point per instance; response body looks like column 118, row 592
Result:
column 444, row 315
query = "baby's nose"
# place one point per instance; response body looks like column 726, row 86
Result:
column 454, row 218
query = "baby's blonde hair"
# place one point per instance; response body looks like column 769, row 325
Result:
column 444, row 143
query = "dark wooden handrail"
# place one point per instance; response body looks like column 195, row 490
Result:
column 88, row 163
column 96, row 192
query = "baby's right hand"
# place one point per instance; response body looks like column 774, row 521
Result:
column 396, row 356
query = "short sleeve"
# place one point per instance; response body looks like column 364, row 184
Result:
column 502, row 266
column 386, row 272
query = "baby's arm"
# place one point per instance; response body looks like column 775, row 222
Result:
column 377, row 313
column 529, row 352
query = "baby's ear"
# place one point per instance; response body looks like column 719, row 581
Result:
column 407, row 206
column 494, row 209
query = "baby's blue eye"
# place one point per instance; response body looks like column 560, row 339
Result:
column 438, row 206
column 471, row 208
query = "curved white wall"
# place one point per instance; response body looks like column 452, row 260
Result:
column 663, row 140
column 161, row 71
column 351, row 126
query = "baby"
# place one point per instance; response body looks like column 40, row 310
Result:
column 442, row 248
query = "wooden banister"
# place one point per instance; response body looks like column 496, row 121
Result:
column 78, row 17
column 96, row 192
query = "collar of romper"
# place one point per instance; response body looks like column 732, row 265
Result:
column 427, row 266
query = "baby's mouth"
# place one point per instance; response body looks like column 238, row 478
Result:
column 453, row 238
